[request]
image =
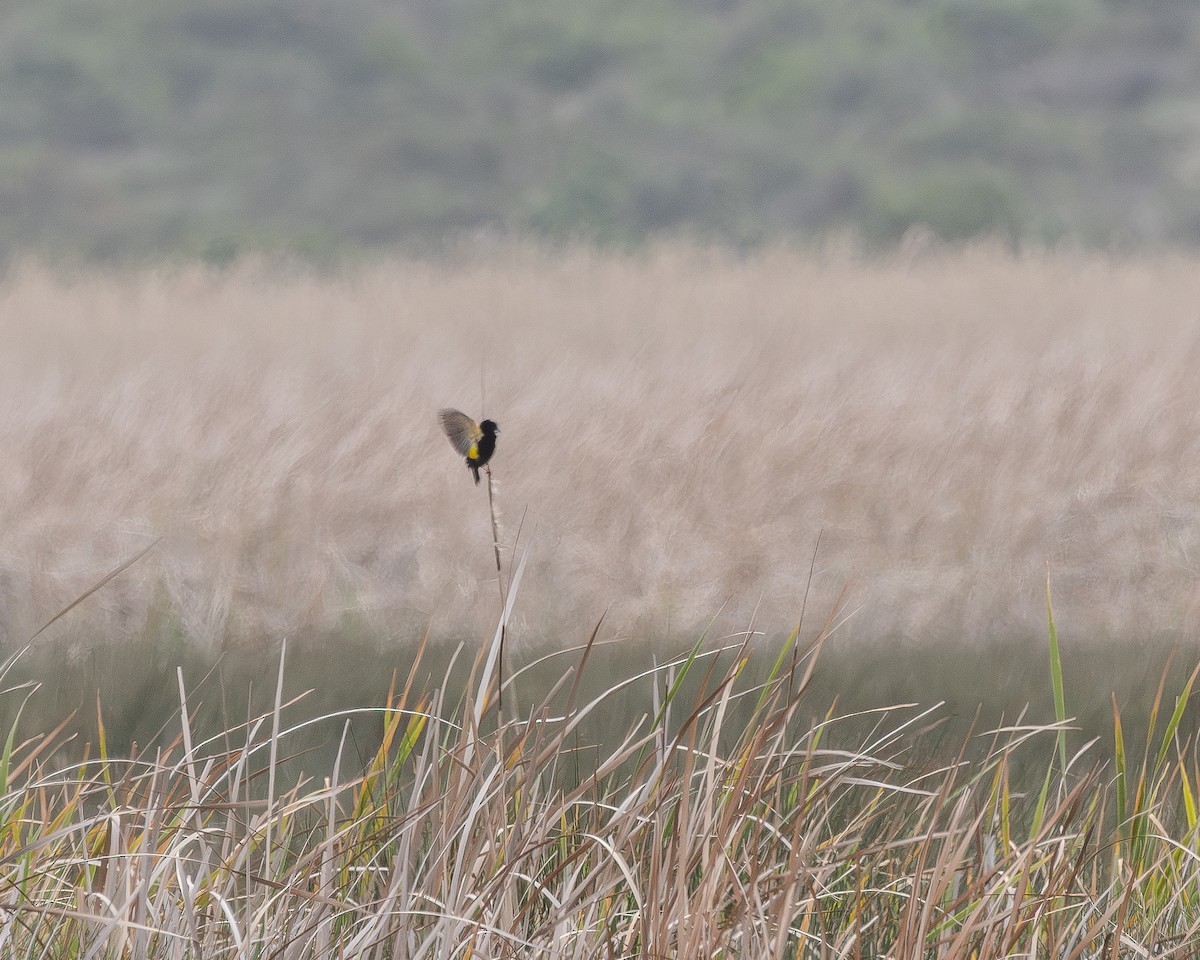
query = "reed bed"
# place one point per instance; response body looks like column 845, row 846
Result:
column 682, row 833
column 677, row 430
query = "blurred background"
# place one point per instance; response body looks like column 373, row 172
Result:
column 740, row 276
column 136, row 131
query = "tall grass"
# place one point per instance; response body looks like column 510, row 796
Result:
column 680, row 428
column 682, row 834
column 709, row 804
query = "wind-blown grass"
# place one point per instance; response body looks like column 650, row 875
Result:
column 683, row 834
column 705, row 805
column 678, row 430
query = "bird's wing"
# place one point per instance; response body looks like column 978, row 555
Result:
column 463, row 432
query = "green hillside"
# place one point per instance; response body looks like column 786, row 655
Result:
column 133, row 129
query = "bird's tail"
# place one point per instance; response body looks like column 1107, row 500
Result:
column 474, row 470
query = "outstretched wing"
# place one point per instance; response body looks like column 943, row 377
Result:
column 464, row 433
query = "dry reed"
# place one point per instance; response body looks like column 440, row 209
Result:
column 677, row 430
column 690, row 834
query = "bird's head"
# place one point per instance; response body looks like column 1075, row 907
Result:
column 489, row 428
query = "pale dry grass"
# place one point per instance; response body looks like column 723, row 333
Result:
column 718, row 825
column 676, row 430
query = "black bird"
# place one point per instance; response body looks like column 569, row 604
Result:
column 475, row 441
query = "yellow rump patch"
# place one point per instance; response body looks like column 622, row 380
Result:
column 473, row 453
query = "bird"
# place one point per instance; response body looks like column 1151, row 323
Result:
column 475, row 441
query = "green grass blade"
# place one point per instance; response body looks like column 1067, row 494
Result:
column 1122, row 767
column 1056, row 679
column 1181, row 703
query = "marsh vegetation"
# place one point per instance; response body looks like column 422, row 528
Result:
column 696, row 448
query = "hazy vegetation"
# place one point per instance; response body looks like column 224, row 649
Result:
column 677, row 432
column 685, row 435
column 209, row 127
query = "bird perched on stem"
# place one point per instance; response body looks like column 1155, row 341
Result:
column 475, row 441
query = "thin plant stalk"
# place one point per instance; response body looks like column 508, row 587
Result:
column 503, row 595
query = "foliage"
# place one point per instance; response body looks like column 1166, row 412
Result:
column 682, row 833
column 211, row 128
